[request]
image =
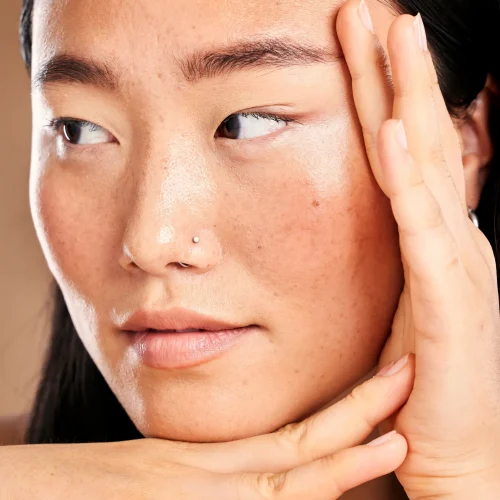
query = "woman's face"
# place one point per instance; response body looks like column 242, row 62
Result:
column 294, row 234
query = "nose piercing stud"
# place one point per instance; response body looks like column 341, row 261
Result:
column 195, row 240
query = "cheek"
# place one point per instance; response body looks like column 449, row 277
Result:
column 73, row 227
column 322, row 245
column 318, row 215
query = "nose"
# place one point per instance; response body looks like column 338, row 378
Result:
column 167, row 248
column 171, row 221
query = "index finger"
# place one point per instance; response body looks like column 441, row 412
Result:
column 331, row 476
column 369, row 68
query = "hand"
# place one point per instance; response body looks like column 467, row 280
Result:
column 314, row 459
column 448, row 314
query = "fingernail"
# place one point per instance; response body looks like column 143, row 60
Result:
column 419, row 30
column 366, row 18
column 394, row 367
column 385, row 369
column 397, row 367
column 382, row 439
column 401, row 135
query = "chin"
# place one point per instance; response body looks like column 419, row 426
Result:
column 220, row 419
column 209, row 430
column 207, row 435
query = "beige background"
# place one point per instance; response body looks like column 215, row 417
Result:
column 24, row 278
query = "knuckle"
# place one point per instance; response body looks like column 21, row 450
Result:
column 452, row 260
column 432, row 218
column 437, row 157
column 331, row 464
column 357, row 396
column 360, row 401
column 404, row 92
column 294, row 437
column 270, row 485
column 416, row 181
column 357, row 76
column 370, row 137
column 428, row 219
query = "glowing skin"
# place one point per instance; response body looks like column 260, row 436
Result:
column 295, row 235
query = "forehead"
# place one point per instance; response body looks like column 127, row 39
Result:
column 129, row 30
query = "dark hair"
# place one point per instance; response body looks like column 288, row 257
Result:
column 75, row 404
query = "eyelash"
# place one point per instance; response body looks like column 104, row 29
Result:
column 267, row 116
column 57, row 123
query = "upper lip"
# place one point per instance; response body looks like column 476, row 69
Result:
column 174, row 319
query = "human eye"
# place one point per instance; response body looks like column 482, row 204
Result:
column 250, row 125
column 81, row 132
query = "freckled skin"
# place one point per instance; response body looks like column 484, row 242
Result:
column 294, row 233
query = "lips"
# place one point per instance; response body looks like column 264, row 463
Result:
column 176, row 320
column 186, row 330
column 179, row 338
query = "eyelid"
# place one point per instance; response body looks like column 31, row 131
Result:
column 256, row 114
column 64, row 120
column 266, row 115
column 56, row 124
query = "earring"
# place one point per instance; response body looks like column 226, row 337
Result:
column 473, row 217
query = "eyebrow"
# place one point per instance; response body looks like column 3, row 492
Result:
column 268, row 53
column 64, row 68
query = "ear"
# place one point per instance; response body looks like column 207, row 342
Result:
column 477, row 147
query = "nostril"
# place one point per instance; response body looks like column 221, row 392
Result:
column 127, row 260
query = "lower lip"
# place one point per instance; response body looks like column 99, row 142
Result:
column 183, row 350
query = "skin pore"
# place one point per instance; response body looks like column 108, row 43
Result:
column 295, row 235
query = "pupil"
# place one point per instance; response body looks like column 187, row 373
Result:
column 232, row 127
column 72, row 132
